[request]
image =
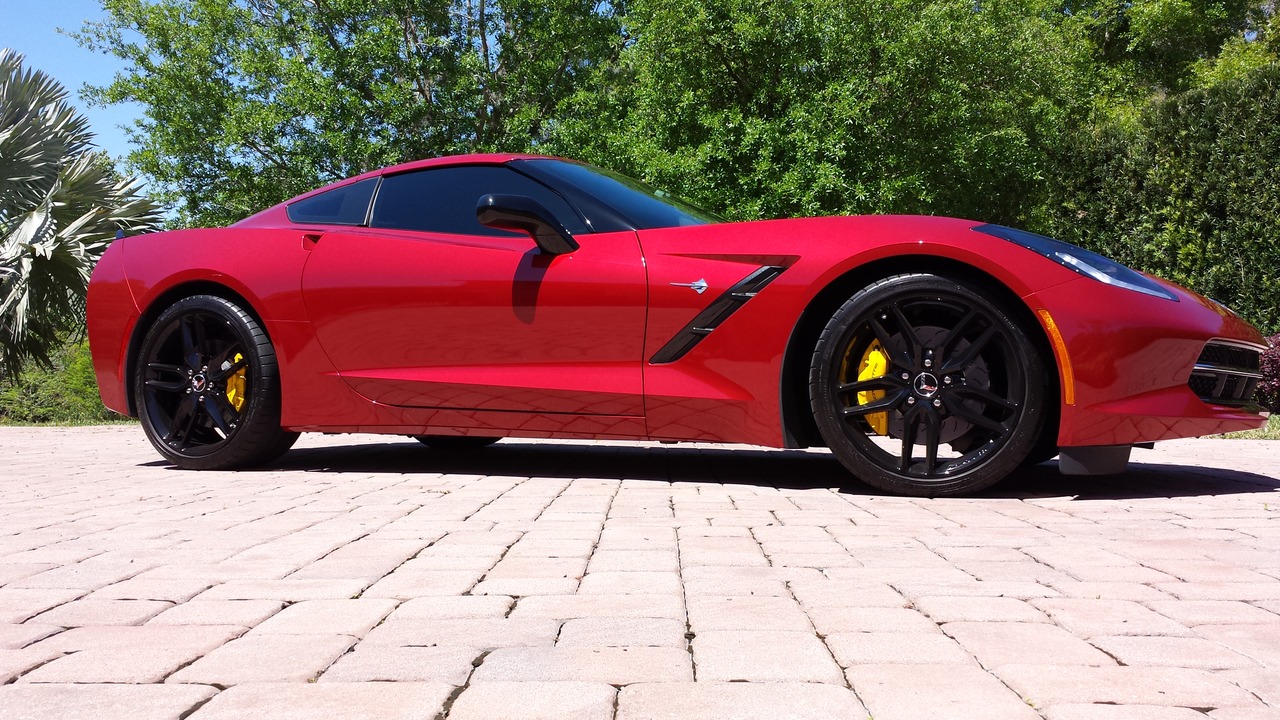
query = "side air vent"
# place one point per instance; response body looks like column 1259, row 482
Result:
column 1226, row 374
column 717, row 312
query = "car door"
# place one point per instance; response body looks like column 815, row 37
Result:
column 426, row 308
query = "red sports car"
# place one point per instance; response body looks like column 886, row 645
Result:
column 464, row 299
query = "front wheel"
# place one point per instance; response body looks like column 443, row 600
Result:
column 922, row 385
column 207, row 387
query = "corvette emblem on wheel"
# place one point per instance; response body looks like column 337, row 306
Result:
column 926, row 384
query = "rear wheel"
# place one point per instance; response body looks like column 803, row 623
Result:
column 921, row 385
column 455, row 442
column 207, row 387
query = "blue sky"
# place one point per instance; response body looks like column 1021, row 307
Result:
column 31, row 28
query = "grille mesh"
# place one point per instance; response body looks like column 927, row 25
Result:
column 1226, row 374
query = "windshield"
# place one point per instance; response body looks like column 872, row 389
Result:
column 641, row 205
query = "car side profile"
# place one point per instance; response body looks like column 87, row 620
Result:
column 465, row 299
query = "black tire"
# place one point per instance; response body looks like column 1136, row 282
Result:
column 455, row 443
column 1043, row 452
column 960, row 372
column 183, row 386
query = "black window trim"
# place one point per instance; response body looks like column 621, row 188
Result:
column 373, row 200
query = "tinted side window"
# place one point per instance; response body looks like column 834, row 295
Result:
column 347, row 205
column 643, row 206
column 444, row 199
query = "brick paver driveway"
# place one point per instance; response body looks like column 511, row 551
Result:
column 535, row 580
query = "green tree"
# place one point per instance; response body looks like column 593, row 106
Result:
column 60, row 206
column 1145, row 47
column 765, row 108
column 1190, row 190
column 250, row 102
column 64, row 392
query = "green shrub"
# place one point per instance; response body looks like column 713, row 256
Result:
column 1190, row 192
column 1269, row 387
column 64, row 393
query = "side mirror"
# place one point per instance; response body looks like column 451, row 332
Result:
column 520, row 213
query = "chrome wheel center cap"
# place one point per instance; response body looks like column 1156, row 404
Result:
column 198, row 383
column 926, row 385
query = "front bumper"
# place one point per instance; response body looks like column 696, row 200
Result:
column 1132, row 359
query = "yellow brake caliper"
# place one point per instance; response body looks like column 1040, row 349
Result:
column 235, row 385
column 874, row 364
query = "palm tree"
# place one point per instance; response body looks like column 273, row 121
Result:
column 61, row 204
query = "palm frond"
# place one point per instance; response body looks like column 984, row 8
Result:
column 60, row 207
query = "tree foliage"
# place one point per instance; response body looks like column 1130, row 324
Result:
column 765, row 108
column 1154, row 43
column 253, row 101
column 60, row 206
column 66, row 391
column 1192, row 192
column 1269, row 386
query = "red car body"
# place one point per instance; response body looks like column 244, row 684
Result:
column 409, row 332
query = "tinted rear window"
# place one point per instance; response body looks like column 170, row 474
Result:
column 346, row 205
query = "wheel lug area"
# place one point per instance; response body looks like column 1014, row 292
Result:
column 937, row 402
column 911, row 401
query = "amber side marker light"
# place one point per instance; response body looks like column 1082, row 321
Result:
column 1064, row 360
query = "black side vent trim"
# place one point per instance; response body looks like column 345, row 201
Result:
column 717, row 312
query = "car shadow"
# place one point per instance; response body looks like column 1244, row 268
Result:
column 1141, row 480
column 788, row 469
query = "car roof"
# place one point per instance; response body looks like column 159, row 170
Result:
column 469, row 159
column 275, row 211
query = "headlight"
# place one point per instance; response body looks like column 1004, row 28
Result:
column 1089, row 264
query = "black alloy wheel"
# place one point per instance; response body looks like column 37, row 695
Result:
column 455, row 443
column 922, row 385
column 207, row 387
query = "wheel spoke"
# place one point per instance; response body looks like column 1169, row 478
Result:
column 166, row 385
column 932, row 437
column 184, row 418
column 964, row 412
column 192, row 341
column 215, row 405
column 888, row 402
column 965, row 359
column 914, row 348
column 902, row 359
column 216, row 373
column 956, row 331
column 909, row 423
column 884, row 382
column 985, row 395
